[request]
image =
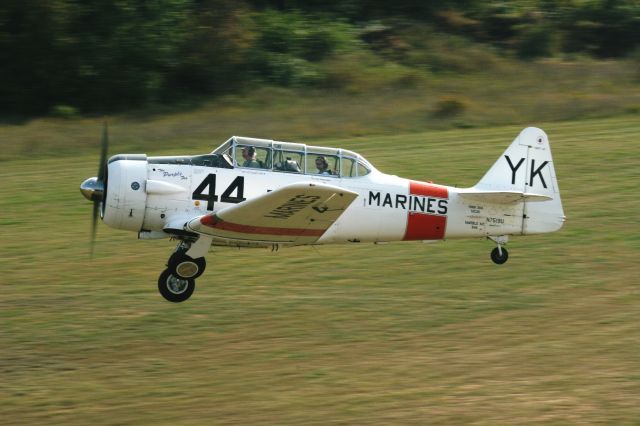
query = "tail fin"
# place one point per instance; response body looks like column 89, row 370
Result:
column 526, row 167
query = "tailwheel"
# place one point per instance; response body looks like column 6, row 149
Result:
column 175, row 289
column 184, row 266
column 499, row 255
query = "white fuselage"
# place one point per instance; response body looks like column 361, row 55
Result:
column 146, row 196
column 161, row 196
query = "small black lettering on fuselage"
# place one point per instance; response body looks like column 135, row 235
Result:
column 292, row 206
column 415, row 203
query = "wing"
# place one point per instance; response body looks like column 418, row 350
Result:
column 296, row 214
column 500, row 197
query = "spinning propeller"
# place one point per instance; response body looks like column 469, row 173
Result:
column 94, row 188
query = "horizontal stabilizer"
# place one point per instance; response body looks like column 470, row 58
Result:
column 501, row 197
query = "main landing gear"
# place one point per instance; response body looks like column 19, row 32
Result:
column 178, row 281
column 175, row 289
column 499, row 255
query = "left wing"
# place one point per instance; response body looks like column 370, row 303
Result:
column 296, row 214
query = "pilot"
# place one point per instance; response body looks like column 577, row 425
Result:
column 323, row 166
column 249, row 155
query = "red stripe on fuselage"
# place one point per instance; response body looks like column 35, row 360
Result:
column 428, row 189
column 217, row 223
column 424, row 226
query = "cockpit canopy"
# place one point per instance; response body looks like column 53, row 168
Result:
column 288, row 157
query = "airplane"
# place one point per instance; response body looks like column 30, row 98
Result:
column 263, row 193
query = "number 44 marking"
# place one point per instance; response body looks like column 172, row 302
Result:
column 210, row 197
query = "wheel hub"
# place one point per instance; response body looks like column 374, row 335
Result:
column 177, row 285
column 187, row 269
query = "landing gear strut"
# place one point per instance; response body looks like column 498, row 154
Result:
column 178, row 281
column 499, row 255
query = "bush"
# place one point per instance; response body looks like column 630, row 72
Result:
column 449, row 106
column 604, row 28
column 302, row 36
column 286, row 70
column 64, row 111
column 290, row 46
column 536, row 41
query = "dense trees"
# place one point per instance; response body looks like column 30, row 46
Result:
column 103, row 55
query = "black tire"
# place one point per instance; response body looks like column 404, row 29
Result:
column 184, row 266
column 175, row 289
column 497, row 258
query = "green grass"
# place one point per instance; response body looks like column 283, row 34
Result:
column 389, row 334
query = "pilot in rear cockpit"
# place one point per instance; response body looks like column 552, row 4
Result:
column 249, row 155
column 322, row 166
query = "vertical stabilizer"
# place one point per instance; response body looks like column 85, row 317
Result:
column 527, row 167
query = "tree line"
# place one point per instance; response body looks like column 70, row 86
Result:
column 105, row 55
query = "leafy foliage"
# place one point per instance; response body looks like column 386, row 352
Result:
column 605, row 28
column 96, row 55
column 104, row 55
column 290, row 45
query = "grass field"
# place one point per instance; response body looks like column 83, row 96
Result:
column 390, row 334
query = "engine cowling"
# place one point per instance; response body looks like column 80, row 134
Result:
column 125, row 197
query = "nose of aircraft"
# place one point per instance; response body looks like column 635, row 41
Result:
column 92, row 189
